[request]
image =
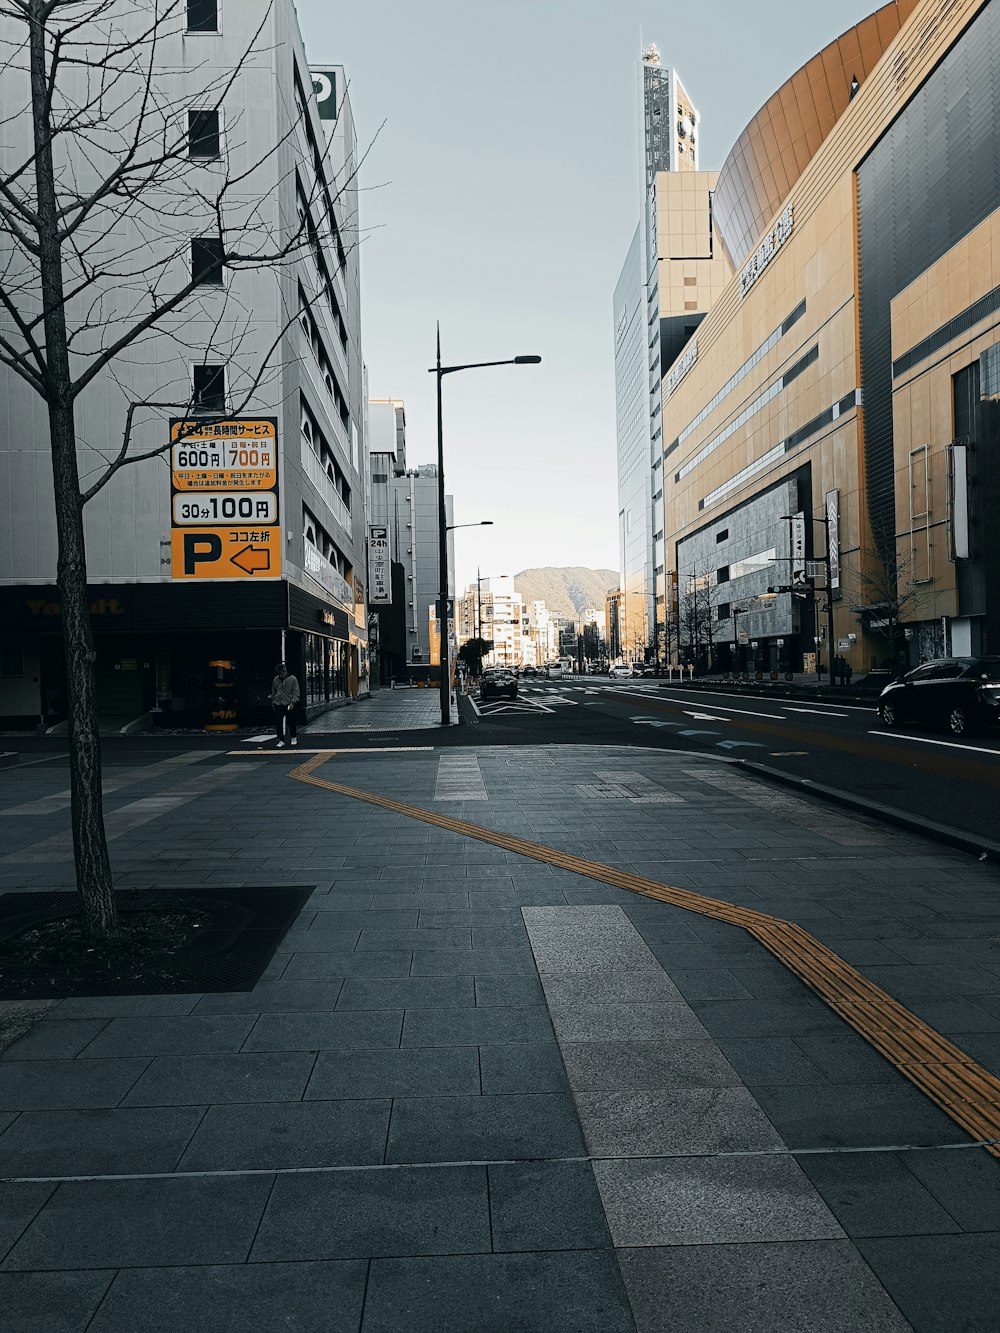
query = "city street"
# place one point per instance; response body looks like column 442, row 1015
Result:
column 532, row 1055
column 927, row 774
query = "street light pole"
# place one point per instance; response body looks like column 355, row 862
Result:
column 444, row 654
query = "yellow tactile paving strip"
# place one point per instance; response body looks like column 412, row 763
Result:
column 965, row 1091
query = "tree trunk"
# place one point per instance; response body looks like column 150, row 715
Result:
column 98, row 911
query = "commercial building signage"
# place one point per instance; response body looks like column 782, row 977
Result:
column 833, row 538
column 324, row 82
column 224, row 499
column 379, row 566
column 797, row 549
column 767, row 249
column 689, row 357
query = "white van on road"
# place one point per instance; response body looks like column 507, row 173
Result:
column 554, row 670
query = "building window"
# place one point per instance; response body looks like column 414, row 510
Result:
column 722, row 535
column 203, row 15
column 209, row 388
column 206, row 261
column 12, row 663
column 203, row 135
column 723, row 611
column 722, row 575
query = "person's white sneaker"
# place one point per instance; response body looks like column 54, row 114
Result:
column 294, row 740
column 281, row 745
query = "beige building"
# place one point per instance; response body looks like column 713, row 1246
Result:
column 845, row 377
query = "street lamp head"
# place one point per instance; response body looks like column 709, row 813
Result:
column 527, row 360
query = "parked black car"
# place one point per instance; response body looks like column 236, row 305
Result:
column 962, row 693
column 497, row 684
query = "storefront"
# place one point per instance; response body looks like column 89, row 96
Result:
column 154, row 643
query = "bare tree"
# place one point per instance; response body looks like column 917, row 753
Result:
column 885, row 592
column 696, row 626
column 111, row 232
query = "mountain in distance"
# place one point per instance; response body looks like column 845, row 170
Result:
column 567, row 592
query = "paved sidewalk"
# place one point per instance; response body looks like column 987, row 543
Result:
column 476, row 1093
column 384, row 710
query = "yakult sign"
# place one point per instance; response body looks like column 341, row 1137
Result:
column 767, row 249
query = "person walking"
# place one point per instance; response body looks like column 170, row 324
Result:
column 284, row 697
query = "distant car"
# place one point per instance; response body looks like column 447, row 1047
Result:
column 554, row 670
column 530, row 671
column 623, row 672
column 497, row 684
column 961, row 693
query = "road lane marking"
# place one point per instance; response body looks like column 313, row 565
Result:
column 725, row 694
column 946, row 1074
column 778, row 717
column 926, row 740
column 821, row 711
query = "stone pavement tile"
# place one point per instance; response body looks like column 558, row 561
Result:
column 306, row 941
column 642, row 984
column 707, row 983
column 135, row 1223
column 625, row 1022
column 407, row 993
column 539, row 893
column 98, row 1142
column 711, row 1200
column 236, row 1298
column 508, row 992
column 579, row 1290
column 769, row 1060
column 455, row 937
column 484, row 917
column 788, row 1017
column 688, row 957
column 858, row 1115
column 55, row 1039
column 20, row 1203
column 845, row 1057
column 546, row 1206
column 430, row 962
column 984, row 1047
column 649, row 1122
column 966, row 1183
column 325, row 1032
column 584, row 939
column 457, row 1129
column 497, row 937
column 608, row 1066
column 280, row 1135
column 401, row 1072
column 192, row 1080
column 274, row 997
column 125, row 1006
column 206, row 1034
column 873, row 1194
column 820, row 1286
column 534, row 1067
column 52, row 1302
column 475, row 1027
column 950, row 1016
column 324, row 966
column 904, row 981
column 52, row 1085
column 940, row 1283
column 360, row 1214
column 346, row 921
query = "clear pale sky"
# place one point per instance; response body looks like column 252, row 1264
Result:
column 500, row 198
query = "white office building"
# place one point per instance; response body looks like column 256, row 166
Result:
column 266, row 360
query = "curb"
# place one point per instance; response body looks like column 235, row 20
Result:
column 889, row 814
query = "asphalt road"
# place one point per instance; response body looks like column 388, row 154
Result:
column 924, row 773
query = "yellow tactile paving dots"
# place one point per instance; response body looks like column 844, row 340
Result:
column 965, row 1091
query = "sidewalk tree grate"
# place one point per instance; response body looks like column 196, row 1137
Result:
column 230, row 954
column 965, row 1091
